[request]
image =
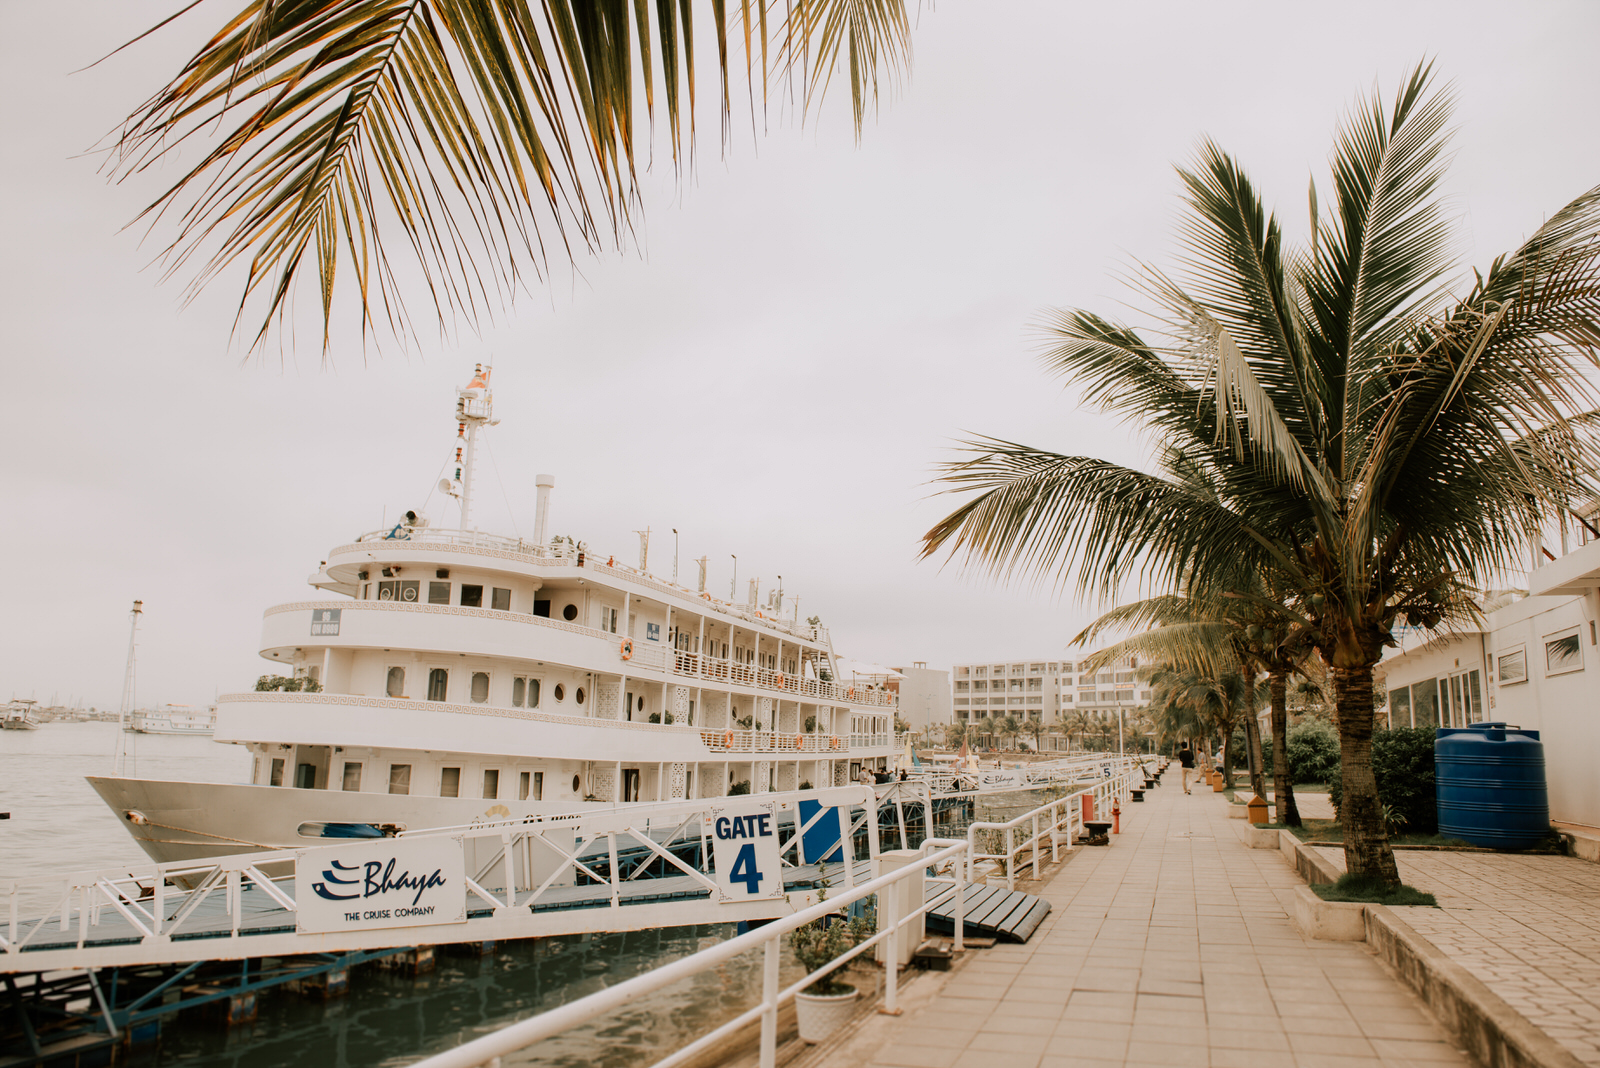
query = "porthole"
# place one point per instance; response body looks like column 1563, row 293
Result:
column 576, row 784
column 569, row 613
column 561, row 692
column 641, row 704
column 578, row 696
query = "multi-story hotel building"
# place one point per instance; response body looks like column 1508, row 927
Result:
column 1042, row 689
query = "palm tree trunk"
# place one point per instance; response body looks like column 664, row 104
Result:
column 1282, row 781
column 1366, row 836
column 1252, row 741
column 1227, row 756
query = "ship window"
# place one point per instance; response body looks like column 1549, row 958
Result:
column 538, row 786
column 608, row 619
column 533, row 693
column 450, row 782
column 399, row 778
column 398, row 590
column 397, row 682
column 502, row 600
column 569, row 613
column 627, row 706
column 305, row 776
column 491, row 784
column 438, row 684
column 480, row 687
column 519, row 687
column 578, row 696
column 352, row 777
column 561, row 692
column 277, row 772
column 522, row 786
column 438, row 593
column 577, row 784
column 641, row 702
column 1563, row 654
column 471, row 596
column 541, row 608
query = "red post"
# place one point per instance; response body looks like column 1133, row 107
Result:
column 1088, row 808
column 1116, row 818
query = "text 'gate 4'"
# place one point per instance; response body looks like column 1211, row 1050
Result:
column 745, row 848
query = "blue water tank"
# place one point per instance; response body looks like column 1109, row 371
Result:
column 1490, row 787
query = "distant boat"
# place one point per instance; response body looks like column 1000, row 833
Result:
column 174, row 719
column 21, row 716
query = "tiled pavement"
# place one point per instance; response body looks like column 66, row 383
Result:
column 1527, row 927
column 1173, row 947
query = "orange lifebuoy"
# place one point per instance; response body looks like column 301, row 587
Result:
column 833, row 743
column 627, row 648
column 707, row 596
column 851, row 692
column 779, row 683
column 727, row 740
column 799, row 741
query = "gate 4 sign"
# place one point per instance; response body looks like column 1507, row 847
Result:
column 388, row 882
column 744, row 844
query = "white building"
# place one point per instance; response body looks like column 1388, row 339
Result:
column 1043, row 689
column 1528, row 666
column 924, row 696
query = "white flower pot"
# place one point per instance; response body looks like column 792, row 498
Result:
column 820, row 1017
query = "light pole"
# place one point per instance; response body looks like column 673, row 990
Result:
column 733, row 585
column 674, row 556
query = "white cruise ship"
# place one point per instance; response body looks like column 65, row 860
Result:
column 458, row 676
column 173, row 719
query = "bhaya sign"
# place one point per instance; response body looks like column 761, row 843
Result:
column 393, row 882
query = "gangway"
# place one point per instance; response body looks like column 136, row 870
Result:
column 501, row 880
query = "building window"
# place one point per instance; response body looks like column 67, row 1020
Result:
column 471, row 596
column 561, row 693
column 449, row 782
column 438, row 684
column 608, row 619
column 963, row 687
column 276, row 778
column 501, row 601
column 1563, row 654
column 522, row 786
column 399, row 778
column 491, row 784
column 480, row 687
column 980, row 687
column 1425, row 703
column 352, row 777
column 569, row 613
column 1513, row 666
column 519, row 688
column 438, row 593
column 397, row 682
column 980, row 672
column 578, row 695
column 962, row 702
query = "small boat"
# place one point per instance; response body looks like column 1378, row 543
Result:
column 174, row 719
column 21, row 716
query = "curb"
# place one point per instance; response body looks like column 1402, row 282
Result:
column 1492, row 1031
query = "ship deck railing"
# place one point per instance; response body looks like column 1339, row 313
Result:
column 568, row 556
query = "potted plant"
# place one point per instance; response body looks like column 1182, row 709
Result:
column 825, row 1006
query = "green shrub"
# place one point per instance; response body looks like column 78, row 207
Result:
column 822, row 941
column 1402, row 763
column 1373, row 890
column 739, row 788
column 288, row 684
column 1313, row 748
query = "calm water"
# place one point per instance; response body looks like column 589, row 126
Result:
column 58, row 823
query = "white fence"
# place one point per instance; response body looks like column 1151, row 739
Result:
column 769, row 938
column 1048, row 824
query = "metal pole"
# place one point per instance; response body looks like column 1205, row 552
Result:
column 674, row 556
column 769, row 1001
column 890, row 897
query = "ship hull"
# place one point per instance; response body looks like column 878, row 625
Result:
column 184, row 821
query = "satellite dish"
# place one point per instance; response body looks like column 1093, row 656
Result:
column 444, row 485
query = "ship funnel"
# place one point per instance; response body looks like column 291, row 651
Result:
column 541, row 507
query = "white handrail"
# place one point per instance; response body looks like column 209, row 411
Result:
column 488, row 1049
column 1113, row 789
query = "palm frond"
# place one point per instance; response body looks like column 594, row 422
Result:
column 443, row 145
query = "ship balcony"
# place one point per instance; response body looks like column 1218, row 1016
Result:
column 715, row 669
column 450, row 629
column 743, row 741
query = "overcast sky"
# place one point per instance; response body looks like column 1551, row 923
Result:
column 807, row 325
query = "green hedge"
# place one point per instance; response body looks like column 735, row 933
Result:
column 1313, row 748
column 1402, row 762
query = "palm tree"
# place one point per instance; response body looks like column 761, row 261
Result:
column 455, row 144
column 1193, row 703
column 1375, row 439
column 1008, row 727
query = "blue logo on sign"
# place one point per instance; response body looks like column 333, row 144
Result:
column 375, row 878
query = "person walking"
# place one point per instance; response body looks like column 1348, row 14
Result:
column 1186, row 759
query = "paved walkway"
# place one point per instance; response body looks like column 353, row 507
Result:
column 1527, row 927
column 1173, row 947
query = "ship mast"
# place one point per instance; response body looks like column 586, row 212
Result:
column 127, row 689
column 474, row 409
